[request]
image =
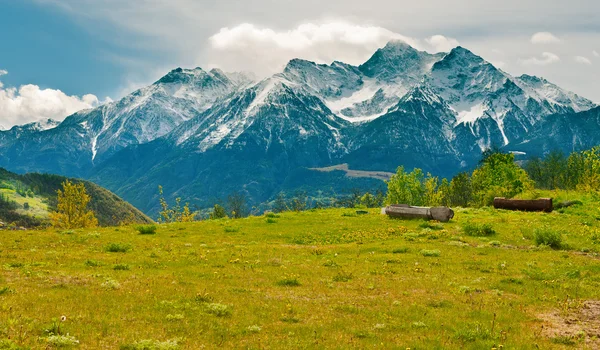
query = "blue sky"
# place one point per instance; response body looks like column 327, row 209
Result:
column 47, row 47
column 78, row 52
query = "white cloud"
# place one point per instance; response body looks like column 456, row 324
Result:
column 3, row 72
column 544, row 38
column 583, row 60
column 547, row 58
column 247, row 47
column 595, row 53
column 440, row 43
column 29, row 103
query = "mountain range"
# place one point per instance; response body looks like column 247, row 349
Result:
column 205, row 134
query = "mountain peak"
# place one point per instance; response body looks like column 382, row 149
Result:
column 398, row 62
column 180, row 74
column 397, row 45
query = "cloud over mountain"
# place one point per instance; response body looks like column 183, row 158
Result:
column 30, row 103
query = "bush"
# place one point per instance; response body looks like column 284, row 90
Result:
column 121, row 267
column 218, row 310
column 146, row 229
column 289, row 282
column 431, row 253
column 152, row 345
column 478, row 230
column 117, row 248
column 400, row 250
column 549, row 237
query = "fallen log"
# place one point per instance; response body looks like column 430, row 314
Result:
column 404, row 211
column 542, row 204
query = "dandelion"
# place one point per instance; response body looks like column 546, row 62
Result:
column 63, row 318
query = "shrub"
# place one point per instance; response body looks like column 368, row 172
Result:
column 431, row 226
column 478, row 230
column 121, row 267
column 146, row 229
column 549, row 237
column 430, row 253
column 5, row 290
column 342, row 277
column 218, row 212
column 402, row 250
column 230, row 229
column 289, row 282
column 111, row 284
column 117, row 248
column 152, row 345
column 62, row 341
column 93, row 263
column 219, row 310
column 271, row 221
column 9, row 345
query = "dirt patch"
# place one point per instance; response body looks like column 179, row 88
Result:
column 379, row 175
column 574, row 325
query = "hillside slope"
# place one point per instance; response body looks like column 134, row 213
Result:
column 26, row 200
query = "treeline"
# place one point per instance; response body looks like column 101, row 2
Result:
column 496, row 176
column 577, row 171
column 236, row 205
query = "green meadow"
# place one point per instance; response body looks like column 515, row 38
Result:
column 320, row 279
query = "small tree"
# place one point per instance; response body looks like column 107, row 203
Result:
column 498, row 176
column 237, row 205
column 300, row 201
column 460, row 192
column 174, row 214
column 368, row 200
column 72, row 208
column 280, row 205
column 218, row 213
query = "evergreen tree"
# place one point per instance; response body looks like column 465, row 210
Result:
column 218, row 212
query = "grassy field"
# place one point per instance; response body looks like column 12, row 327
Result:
column 324, row 279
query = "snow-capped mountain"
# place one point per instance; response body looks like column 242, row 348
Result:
column 203, row 134
column 91, row 136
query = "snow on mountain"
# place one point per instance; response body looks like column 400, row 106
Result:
column 226, row 130
column 477, row 90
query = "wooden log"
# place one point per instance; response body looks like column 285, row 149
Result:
column 542, row 204
column 404, row 211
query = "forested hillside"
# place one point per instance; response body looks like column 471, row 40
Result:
column 26, row 200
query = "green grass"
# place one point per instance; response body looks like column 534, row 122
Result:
column 313, row 279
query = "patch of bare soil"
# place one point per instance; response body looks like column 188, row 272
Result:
column 582, row 324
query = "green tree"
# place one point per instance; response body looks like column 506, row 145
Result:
column 368, row 200
column 218, row 212
column 237, row 205
column 280, row 205
column 406, row 188
column 300, row 201
column 589, row 179
column 498, row 176
column 177, row 213
column 71, row 209
column 461, row 191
